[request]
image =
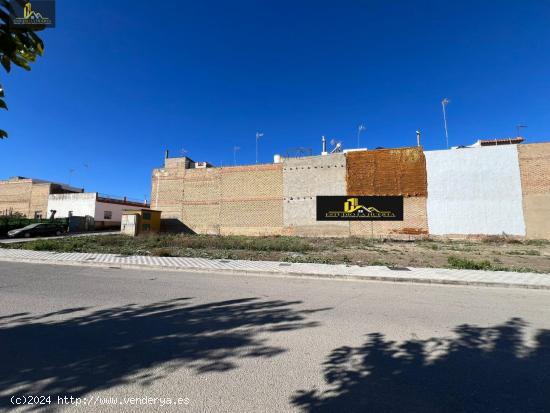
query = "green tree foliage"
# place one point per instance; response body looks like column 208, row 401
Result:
column 18, row 46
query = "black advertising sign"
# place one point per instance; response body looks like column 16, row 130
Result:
column 359, row 208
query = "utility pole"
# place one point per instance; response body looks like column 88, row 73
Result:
column 235, row 149
column 360, row 129
column 258, row 136
column 444, row 104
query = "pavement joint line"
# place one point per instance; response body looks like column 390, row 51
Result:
column 343, row 272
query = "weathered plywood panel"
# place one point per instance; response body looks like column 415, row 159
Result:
column 475, row 191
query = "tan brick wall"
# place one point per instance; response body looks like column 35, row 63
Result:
column 246, row 199
column 167, row 192
column 303, row 180
column 414, row 224
column 534, row 166
column 201, row 200
column 15, row 196
column 24, row 197
column 252, row 198
column 39, row 200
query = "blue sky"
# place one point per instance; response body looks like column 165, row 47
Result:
column 121, row 81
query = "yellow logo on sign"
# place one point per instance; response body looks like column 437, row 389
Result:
column 29, row 13
column 352, row 207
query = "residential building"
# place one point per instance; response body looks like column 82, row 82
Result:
column 105, row 210
column 29, row 196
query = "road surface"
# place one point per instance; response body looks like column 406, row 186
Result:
column 129, row 340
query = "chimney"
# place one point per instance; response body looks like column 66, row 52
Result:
column 418, row 137
column 324, row 152
column 166, row 154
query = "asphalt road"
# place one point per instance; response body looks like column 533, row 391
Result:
column 236, row 343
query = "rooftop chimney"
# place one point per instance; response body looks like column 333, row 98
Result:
column 166, row 153
column 324, row 152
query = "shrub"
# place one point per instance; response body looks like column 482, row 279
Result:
column 465, row 264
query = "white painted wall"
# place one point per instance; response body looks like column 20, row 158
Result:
column 116, row 210
column 85, row 204
column 475, row 191
column 81, row 204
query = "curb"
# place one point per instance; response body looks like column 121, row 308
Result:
column 282, row 274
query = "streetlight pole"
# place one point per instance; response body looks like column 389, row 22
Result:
column 258, row 136
column 360, row 129
column 235, row 149
column 444, row 103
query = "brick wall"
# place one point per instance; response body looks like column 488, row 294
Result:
column 235, row 200
column 251, row 200
column 414, row 224
column 24, row 197
column 387, row 172
column 39, row 200
column 534, row 165
column 303, row 180
column 167, row 191
column 201, row 200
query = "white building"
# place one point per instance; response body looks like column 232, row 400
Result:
column 106, row 211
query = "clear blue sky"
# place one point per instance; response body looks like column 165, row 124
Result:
column 123, row 80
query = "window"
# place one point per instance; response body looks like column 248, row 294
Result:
column 146, row 227
column 107, row 214
column 147, row 216
column 37, row 214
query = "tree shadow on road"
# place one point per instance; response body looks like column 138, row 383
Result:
column 101, row 349
column 479, row 370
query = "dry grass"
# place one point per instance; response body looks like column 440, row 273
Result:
column 492, row 253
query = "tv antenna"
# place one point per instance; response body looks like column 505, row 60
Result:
column 337, row 146
column 360, row 128
column 519, row 126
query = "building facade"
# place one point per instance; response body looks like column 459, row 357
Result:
column 106, row 211
column 29, row 196
column 498, row 189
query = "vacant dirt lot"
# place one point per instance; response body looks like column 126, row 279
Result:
column 494, row 253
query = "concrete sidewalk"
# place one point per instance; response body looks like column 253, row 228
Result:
column 353, row 272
